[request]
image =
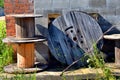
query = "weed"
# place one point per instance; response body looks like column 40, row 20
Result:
column 5, row 50
column 96, row 60
column 1, row 3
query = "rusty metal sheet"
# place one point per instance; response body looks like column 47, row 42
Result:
column 71, row 35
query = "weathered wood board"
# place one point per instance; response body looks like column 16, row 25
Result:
column 73, row 34
column 25, row 55
column 25, row 27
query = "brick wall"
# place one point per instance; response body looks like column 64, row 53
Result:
column 16, row 7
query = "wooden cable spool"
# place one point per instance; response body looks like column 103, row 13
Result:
column 73, row 34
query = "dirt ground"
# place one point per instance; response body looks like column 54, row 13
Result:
column 2, row 18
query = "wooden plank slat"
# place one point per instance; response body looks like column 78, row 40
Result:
column 20, row 54
column 117, row 52
column 25, row 56
column 25, row 27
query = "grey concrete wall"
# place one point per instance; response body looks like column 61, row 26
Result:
column 109, row 9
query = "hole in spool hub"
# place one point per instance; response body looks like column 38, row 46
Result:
column 75, row 38
column 81, row 42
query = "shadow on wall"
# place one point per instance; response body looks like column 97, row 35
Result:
column 41, row 48
column 43, row 54
column 105, row 25
column 43, row 30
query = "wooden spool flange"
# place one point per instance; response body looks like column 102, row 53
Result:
column 25, row 41
column 116, row 38
column 25, row 56
column 25, row 25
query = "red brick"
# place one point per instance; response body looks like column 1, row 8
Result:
column 8, row 11
column 7, row 1
column 10, row 31
column 16, row 1
column 28, row 11
column 8, row 5
column 19, row 11
column 12, row 21
column 11, row 24
column 9, row 17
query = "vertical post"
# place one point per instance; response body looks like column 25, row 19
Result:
column 25, row 55
column 117, row 52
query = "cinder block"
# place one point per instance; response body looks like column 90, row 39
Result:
column 112, row 19
column 90, row 10
column 42, row 4
column 107, row 11
column 38, row 11
column 60, row 4
column 97, row 3
column 79, row 3
column 118, row 11
column 113, row 3
column 41, row 26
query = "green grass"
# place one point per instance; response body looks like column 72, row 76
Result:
column 5, row 50
column 1, row 3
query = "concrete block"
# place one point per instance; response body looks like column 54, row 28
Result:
column 113, row 3
column 43, row 4
column 41, row 26
column 112, row 19
column 38, row 11
column 60, row 4
column 97, row 3
column 79, row 3
column 107, row 11
column 90, row 10
column 118, row 11
column 42, row 52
